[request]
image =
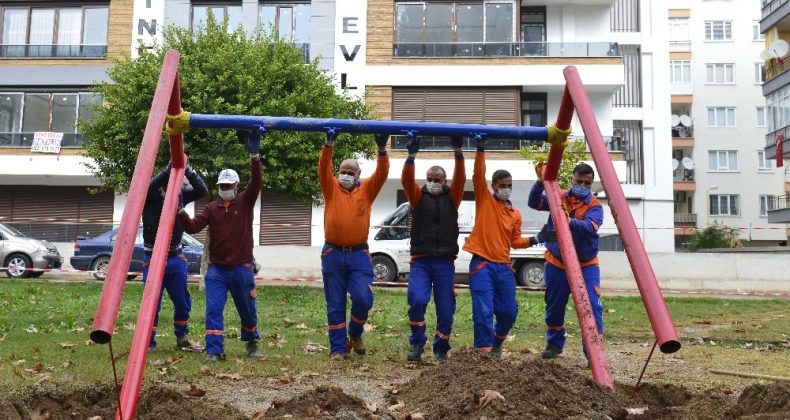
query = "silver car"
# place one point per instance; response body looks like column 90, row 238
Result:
column 19, row 253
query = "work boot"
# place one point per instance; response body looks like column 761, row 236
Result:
column 252, row 349
column 213, row 358
column 551, row 351
column 357, row 344
column 441, row 357
column 496, row 351
column 184, row 343
column 338, row 357
column 415, row 353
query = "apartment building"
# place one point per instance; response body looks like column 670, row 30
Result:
column 719, row 120
column 51, row 53
column 774, row 26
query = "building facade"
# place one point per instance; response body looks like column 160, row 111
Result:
column 719, row 121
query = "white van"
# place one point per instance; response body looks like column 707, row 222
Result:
column 390, row 244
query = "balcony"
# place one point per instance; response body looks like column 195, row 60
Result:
column 682, row 136
column 685, row 219
column 506, row 49
column 26, row 140
column 770, row 142
column 53, row 51
column 779, row 209
column 679, row 46
column 683, row 180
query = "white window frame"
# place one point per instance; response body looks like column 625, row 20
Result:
column 761, row 116
column 715, row 159
column 717, row 111
column 679, row 24
column 711, row 71
column 728, row 200
column 685, row 70
column 759, row 73
column 756, row 35
column 764, row 164
column 726, row 29
column 764, row 203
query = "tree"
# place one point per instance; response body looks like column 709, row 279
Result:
column 717, row 235
column 575, row 152
column 224, row 73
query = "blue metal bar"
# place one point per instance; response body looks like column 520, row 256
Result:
column 366, row 126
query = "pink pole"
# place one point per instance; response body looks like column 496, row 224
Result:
column 656, row 308
column 110, row 300
column 564, row 116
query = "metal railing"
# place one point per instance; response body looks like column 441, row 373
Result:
column 506, row 49
column 685, row 219
column 682, row 132
column 26, row 139
column 770, row 138
column 779, row 203
column 679, row 46
column 682, row 174
column 777, row 67
column 53, row 51
column 770, row 5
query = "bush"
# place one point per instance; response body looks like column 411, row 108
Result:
column 716, row 235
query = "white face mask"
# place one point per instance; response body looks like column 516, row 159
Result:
column 503, row 194
column 346, row 181
column 227, row 195
column 433, row 187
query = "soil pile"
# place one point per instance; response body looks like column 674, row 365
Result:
column 322, row 402
column 156, row 402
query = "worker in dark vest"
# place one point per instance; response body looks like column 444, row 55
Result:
column 434, row 247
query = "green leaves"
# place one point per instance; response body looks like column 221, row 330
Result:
column 574, row 153
column 224, row 73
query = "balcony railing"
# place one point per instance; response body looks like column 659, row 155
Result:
column 679, row 46
column 53, row 51
column 685, row 219
column 682, row 132
column 770, row 5
column 779, row 203
column 776, row 68
column 506, row 49
column 681, row 175
column 770, row 138
column 26, row 139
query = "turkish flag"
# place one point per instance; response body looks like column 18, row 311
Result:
column 779, row 160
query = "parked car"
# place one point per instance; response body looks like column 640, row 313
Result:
column 94, row 253
column 20, row 253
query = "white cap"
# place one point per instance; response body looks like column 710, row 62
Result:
column 228, row 176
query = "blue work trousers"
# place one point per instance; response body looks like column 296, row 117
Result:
column 493, row 289
column 240, row 282
column 556, row 297
column 174, row 280
column 346, row 272
column 437, row 273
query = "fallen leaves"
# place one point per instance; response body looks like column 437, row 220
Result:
column 489, row 396
column 398, row 406
column 302, row 327
column 637, row 411
column 31, row 329
column 66, row 345
column 372, row 407
column 415, row 416
column 314, row 348
column 231, row 376
column 194, row 391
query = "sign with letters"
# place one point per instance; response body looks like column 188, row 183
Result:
column 147, row 23
column 350, row 45
column 46, row 142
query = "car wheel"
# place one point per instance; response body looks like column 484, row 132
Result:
column 530, row 274
column 384, row 268
column 128, row 278
column 100, row 267
column 17, row 266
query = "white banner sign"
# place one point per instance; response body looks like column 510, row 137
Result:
column 46, row 142
column 147, row 23
column 350, row 39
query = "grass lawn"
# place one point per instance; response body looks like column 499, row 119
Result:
column 44, row 331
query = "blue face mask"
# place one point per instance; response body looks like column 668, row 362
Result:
column 580, row 191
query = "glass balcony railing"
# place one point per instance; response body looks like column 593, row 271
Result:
column 26, row 139
column 53, row 51
column 770, row 5
column 506, row 49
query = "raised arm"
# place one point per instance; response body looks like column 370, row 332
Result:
column 374, row 184
column 590, row 224
column 537, row 199
column 256, row 179
column 410, row 187
column 325, row 178
column 459, row 173
column 198, row 189
column 159, row 180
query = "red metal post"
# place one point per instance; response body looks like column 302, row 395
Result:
column 110, row 300
column 564, row 116
column 656, row 308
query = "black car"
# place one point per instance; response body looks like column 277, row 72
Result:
column 94, row 253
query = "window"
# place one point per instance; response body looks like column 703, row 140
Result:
column 533, row 24
column 533, row 109
column 722, row 160
column 756, row 35
column 480, row 28
column 720, row 73
column 724, row 205
column 763, row 164
column 721, row 117
column 680, row 71
column 290, row 21
column 778, row 104
column 718, row 30
column 761, row 116
column 759, row 73
column 24, row 113
column 679, row 30
column 54, row 32
column 220, row 12
column 766, row 203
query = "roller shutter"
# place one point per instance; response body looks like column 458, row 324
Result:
column 277, row 210
column 460, row 105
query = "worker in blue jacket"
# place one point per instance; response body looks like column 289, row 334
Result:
column 585, row 216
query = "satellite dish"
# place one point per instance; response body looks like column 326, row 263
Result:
column 765, row 54
column 779, row 48
column 675, row 164
column 675, row 120
column 685, row 120
column 688, row 163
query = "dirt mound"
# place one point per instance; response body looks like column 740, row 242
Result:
column 156, row 402
column 323, row 402
column 764, row 399
column 535, row 388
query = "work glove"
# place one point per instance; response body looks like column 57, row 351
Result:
column 250, row 139
column 544, row 236
column 457, row 142
column 413, row 146
column 539, row 165
column 381, row 140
